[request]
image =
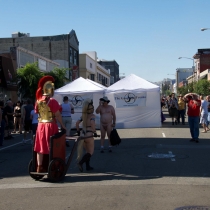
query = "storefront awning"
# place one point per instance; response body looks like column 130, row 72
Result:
column 7, row 73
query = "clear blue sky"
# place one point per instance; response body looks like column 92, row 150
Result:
column 145, row 37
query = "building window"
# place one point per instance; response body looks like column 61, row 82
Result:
column 106, row 81
column 91, row 65
column 75, row 57
column 71, row 55
column 103, row 81
column 99, row 79
column 92, row 77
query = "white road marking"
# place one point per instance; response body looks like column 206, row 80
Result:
column 172, row 159
column 14, row 145
column 163, row 135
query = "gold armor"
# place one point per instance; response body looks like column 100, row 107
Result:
column 48, row 88
column 45, row 114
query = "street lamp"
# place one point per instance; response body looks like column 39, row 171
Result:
column 193, row 63
column 187, row 58
column 203, row 29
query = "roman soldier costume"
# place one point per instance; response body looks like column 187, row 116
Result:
column 46, row 107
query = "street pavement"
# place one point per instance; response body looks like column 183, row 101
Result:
column 152, row 169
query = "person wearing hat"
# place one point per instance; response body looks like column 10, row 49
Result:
column 173, row 108
column 107, row 120
column 49, row 113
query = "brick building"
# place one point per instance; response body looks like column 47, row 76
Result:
column 202, row 61
column 63, row 49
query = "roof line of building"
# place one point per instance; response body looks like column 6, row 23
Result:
column 37, row 55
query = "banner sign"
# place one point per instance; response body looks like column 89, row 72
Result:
column 131, row 99
column 77, row 100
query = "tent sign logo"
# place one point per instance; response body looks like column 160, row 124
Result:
column 77, row 101
column 130, row 98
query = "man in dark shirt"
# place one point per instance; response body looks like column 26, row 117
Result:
column 8, row 110
column 27, row 120
column 2, row 123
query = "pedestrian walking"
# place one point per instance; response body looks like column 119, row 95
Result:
column 9, row 111
column 67, row 110
column 181, row 109
column 2, row 123
column 17, row 118
column 27, row 120
column 204, row 113
column 34, row 117
column 193, row 104
column 88, row 129
column 24, row 102
column 173, row 108
column 208, row 118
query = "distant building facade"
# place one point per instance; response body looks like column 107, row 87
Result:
column 62, row 49
column 90, row 69
column 113, row 67
column 183, row 74
column 202, row 63
column 182, row 83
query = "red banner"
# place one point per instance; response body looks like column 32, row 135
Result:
column 75, row 72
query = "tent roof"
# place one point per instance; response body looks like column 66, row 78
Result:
column 132, row 83
column 97, row 84
column 79, row 85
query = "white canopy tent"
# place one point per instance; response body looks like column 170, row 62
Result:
column 136, row 102
column 77, row 91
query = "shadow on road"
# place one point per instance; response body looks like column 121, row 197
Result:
column 134, row 159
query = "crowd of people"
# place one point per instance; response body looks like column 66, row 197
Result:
column 16, row 117
column 46, row 116
column 196, row 107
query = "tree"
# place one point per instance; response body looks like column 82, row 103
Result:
column 182, row 90
column 167, row 92
column 59, row 76
column 191, row 87
column 166, row 88
column 202, row 87
column 28, row 78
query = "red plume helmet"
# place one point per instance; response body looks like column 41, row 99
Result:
column 45, row 86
